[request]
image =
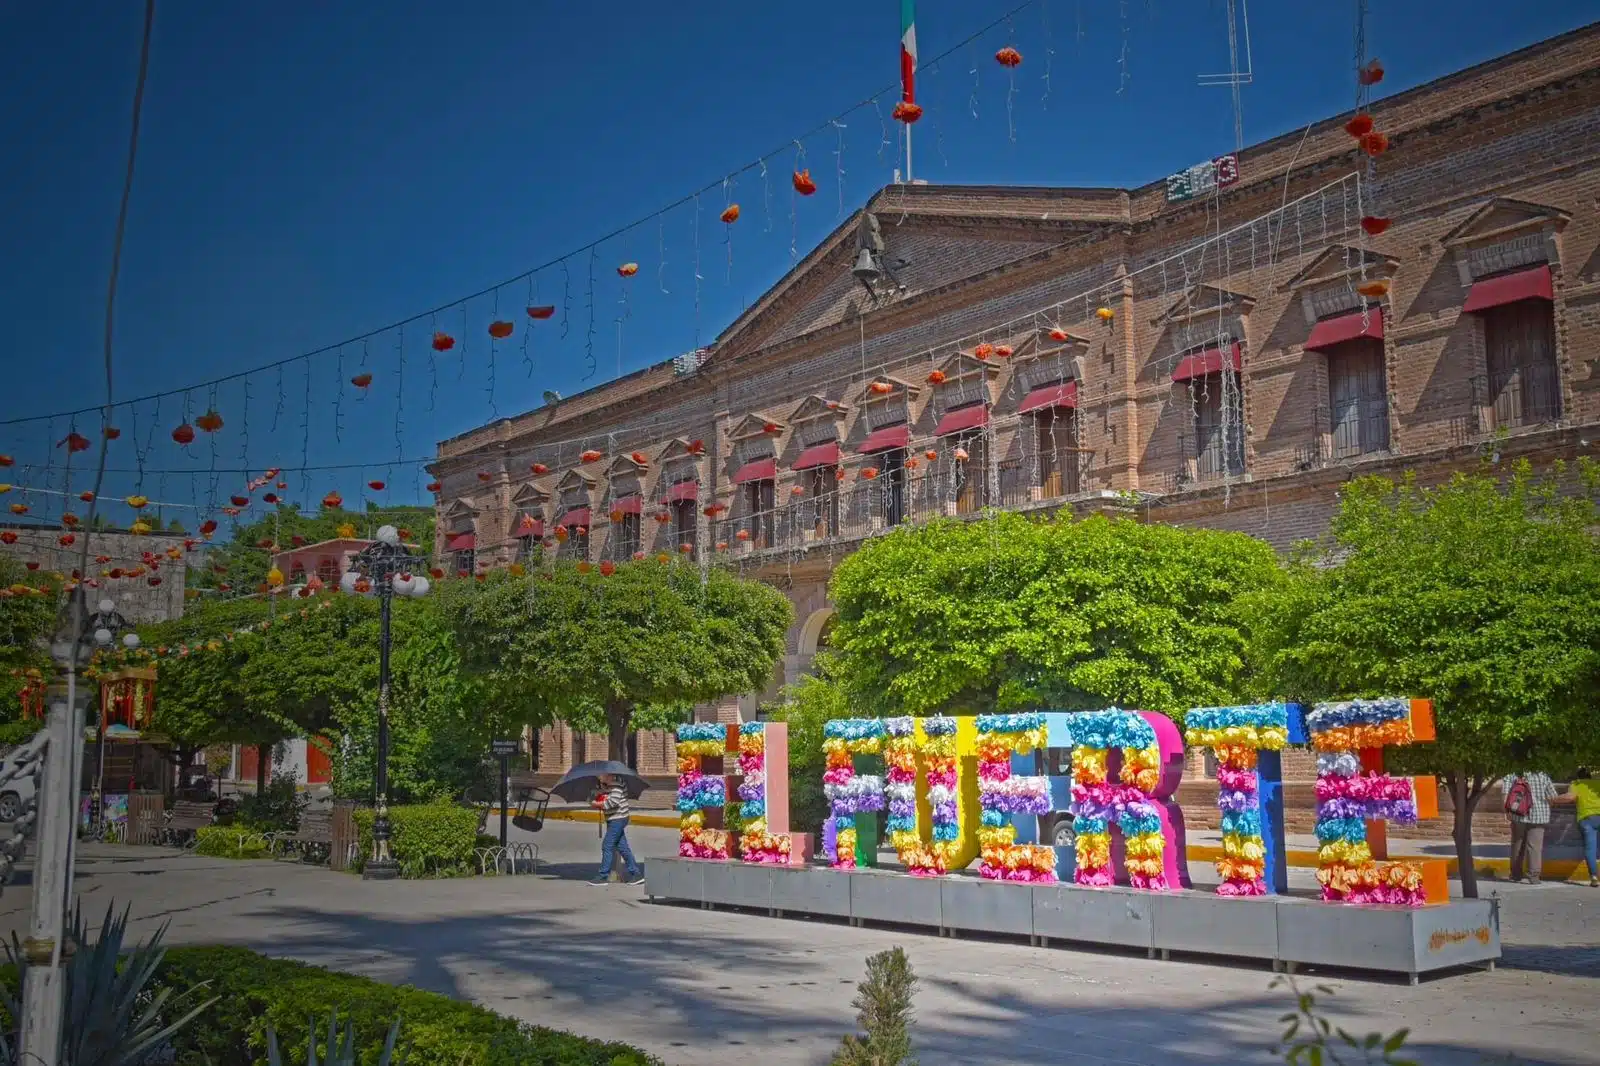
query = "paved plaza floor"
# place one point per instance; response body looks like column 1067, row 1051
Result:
column 711, row 988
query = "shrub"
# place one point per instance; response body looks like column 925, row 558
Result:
column 229, row 842
column 883, row 1010
column 275, row 810
column 12, row 733
column 254, row 992
column 430, row 838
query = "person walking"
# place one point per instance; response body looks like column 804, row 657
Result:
column 612, row 800
column 1584, row 794
column 1528, row 797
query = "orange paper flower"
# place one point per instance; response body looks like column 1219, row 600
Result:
column 541, row 312
column 1359, row 126
column 209, row 422
column 590, row 455
column 803, row 183
column 730, row 214
column 443, row 342
column 361, row 381
column 500, row 329
column 1009, row 58
column 1371, row 74
column 907, row 112
column 628, row 270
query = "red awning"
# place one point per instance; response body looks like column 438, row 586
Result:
column 886, row 439
column 578, row 516
column 1064, row 394
column 1353, row 326
column 530, row 527
column 682, row 490
column 1489, row 293
column 818, row 455
column 626, row 504
column 759, row 470
column 462, row 542
column 962, row 418
column 1210, row 361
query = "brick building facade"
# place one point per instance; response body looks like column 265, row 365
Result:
column 1210, row 361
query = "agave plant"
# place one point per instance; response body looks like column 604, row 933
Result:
column 112, row 1017
column 340, row 1048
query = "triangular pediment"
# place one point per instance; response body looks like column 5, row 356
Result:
column 1503, row 217
column 574, row 479
column 814, row 407
column 754, row 426
column 629, row 464
column 1052, row 339
column 1340, row 262
column 461, row 507
column 962, row 366
column 529, row 495
column 884, row 387
column 680, row 448
column 1201, row 300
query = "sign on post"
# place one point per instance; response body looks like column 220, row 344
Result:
column 503, row 750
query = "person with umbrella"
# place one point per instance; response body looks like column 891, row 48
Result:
column 609, row 786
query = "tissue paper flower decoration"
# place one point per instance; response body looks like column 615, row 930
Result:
column 1097, row 802
column 1357, row 724
column 1003, row 795
column 1258, row 726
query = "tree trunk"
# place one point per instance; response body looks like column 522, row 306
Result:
column 1464, row 798
column 263, row 767
column 619, row 721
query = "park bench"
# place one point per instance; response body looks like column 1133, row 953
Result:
column 313, row 840
column 184, row 819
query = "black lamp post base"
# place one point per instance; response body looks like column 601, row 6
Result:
column 380, row 870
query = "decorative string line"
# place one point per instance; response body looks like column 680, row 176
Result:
column 1043, row 317
column 550, row 264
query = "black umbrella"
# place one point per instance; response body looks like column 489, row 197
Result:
column 580, row 782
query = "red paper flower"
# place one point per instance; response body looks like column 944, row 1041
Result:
column 539, row 468
column 907, row 112
column 500, row 329
column 333, row 501
column 208, row 527
column 361, row 381
column 1375, row 143
column 1374, row 225
column 1059, row 334
column 542, row 312
column 75, row 442
column 86, row 496
column 443, row 342
column 1008, row 57
column 803, row 183
column 112, row 433
column 239, row 501
column 209, row 422
column 589, row 456
column 6, row 460
column 628, row 270
column 1371, row 74
column 607, row 568
column 1359, row 126
column 730, row 214
column 433, row 486
column 184, row 434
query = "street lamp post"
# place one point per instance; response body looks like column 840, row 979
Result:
column 103, row 628
column 383, row 569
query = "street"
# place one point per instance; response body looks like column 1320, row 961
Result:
column 708, row 987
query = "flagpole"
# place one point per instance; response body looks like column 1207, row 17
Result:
column 908, row 153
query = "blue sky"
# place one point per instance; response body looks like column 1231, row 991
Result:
column 311, row 172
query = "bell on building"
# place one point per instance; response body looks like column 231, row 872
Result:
column 866, row 268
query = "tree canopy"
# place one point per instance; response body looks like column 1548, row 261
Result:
column 650, row 635
column 1478, row 594
column 26, row 622
column 1017, row 612
column 245, row 562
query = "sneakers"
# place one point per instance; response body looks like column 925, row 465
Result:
column 1594, row 882
column 637, row 879
column 598, row 881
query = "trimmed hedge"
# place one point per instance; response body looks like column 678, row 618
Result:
column 435, row 1030
column 428, row 838
column 230, row 842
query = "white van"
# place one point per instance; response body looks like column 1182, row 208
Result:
column 16, row 793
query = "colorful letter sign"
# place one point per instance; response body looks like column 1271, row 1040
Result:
column 1247, row 741
column 932, row 804
column 1005, row 795
column 849, row 793
column 702, row 795
column 1145, row 753
column 1356, row 798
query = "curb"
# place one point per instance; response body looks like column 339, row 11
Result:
column 1554, row 869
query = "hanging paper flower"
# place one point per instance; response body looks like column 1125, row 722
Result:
column 542, row 312
column 333, row 501
column 1375, row 143
column 231, row 512
column 1375, row 289
column 184, row 434
column 1008, row 57
column 628, row 270
column 500, row 329
column 730, row 214
column 375, row 486
column 907, row 112
column 983, row 351
column 209, row 422
column 797, row 490
column 7, row 537
column 281, row 485
column 663, row 558
column 743, row 534
column 696, row 447
column 539, row 468
column 208, row 527
column 443, row 342
column 275, row 577
column 69, row 520
column 589, row 456
column 433, row 486
column 137, row 502
column 911, row 464
column 239, row 501
column 1058, row 334
column 139, row 528
column 584, row 566
column 561, row 533
column 19, row 508
column 517, row 569
column 663, row 517
column 265, row 543
column 361, row 381
column 869, row 472
column 722, row 545
column 1105, row 314
column 640, row 459
column 66, row 539
column 112, row 432
column 363, row 586
column 75, row 442
column 6, row 460
column 346, row 530
column 931, row 455
column 1002, row 351
column 86, row 496
column 271, row 497
column 31, row 565
column 616, row 514
column 686, row 547
column 638, row 557
column 882, row 388
column 607, row 568
column 1359, row 126
column 936, row 378
column 1374, row 224
column 1371, row 74
column 436, row 572
column 961, row 455
column 803, row 183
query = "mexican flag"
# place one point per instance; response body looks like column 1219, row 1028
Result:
column 908, row 51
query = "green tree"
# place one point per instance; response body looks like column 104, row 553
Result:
column 650, row 635
column 26, row 622
column 1480, row 595
column 1014, row 612
column 883, row 1010
column 245, row 562
column 807, row 705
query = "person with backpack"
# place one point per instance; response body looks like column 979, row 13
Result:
column 1527, row 802
column 1584, row 794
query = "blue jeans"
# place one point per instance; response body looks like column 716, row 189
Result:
column 615, row 841
column 1591, row 843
